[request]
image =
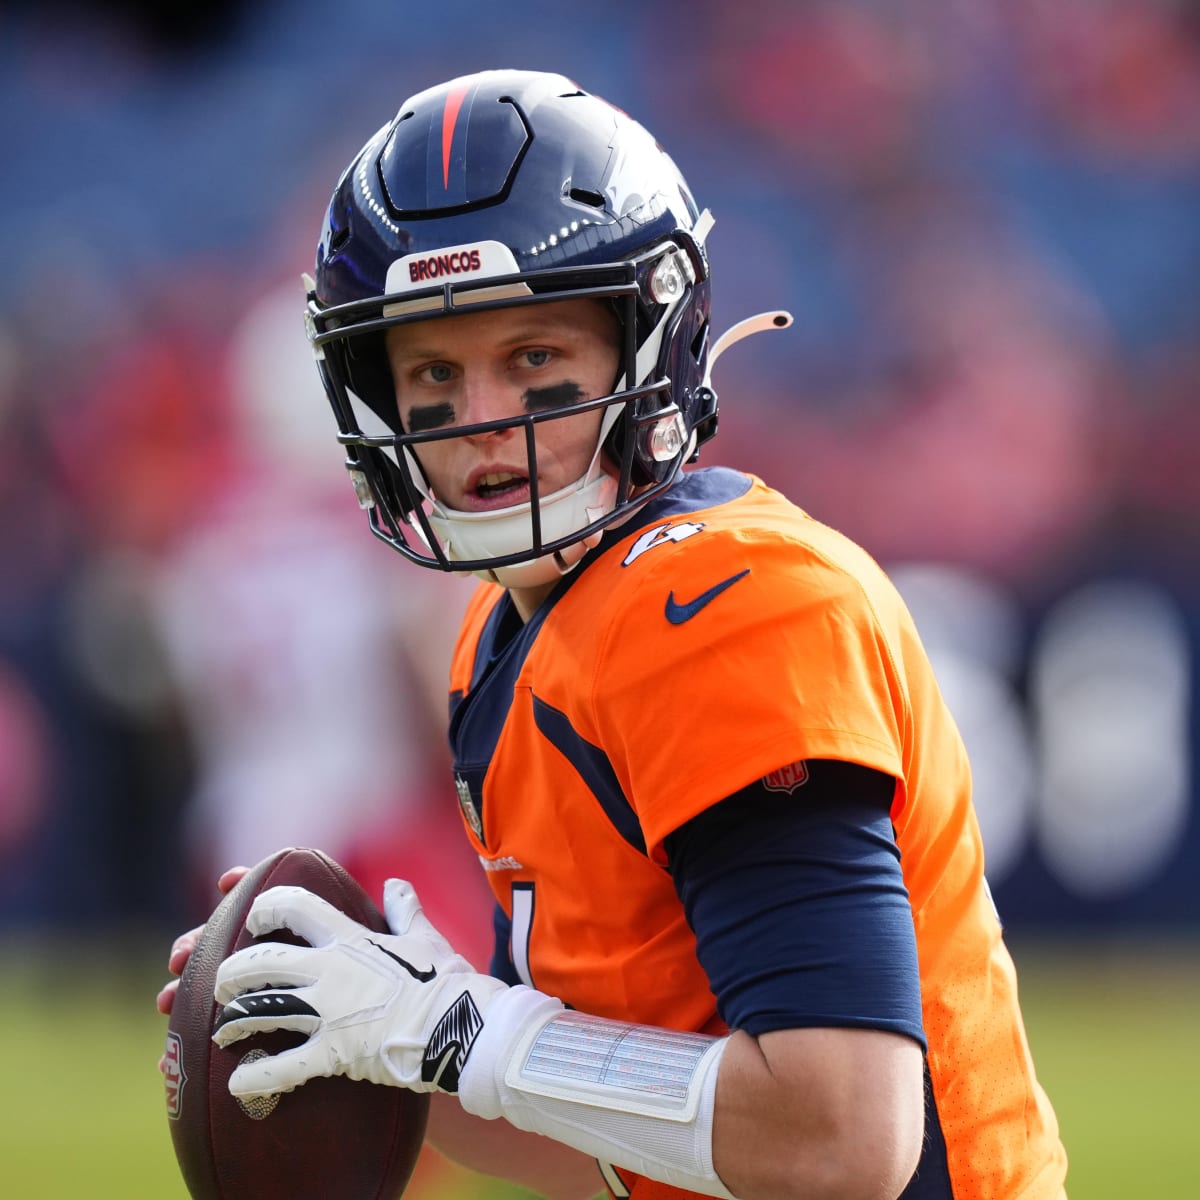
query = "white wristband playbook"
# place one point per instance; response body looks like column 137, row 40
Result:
column 632, row 1095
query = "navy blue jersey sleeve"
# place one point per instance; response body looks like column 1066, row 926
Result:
column 799, row 906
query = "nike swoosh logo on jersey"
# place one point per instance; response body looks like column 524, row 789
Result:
column 420, row 976
column 677, row 613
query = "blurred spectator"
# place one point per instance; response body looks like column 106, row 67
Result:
column 312, row 681
column 972, row 437
column 1155, row 452
column 1122, row 84
column 24, row 768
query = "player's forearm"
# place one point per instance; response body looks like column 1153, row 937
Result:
column 830, row 1113
column 495, row 1148
column 819, row 1113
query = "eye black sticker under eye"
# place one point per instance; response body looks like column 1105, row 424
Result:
column 430, row 416
column 558, row 395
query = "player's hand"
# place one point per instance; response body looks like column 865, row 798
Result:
column 185, row 944
column 401, row 1008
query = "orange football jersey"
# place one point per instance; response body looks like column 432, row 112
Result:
column 722, row 637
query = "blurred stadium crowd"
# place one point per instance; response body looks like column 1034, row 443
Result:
column 985, row 216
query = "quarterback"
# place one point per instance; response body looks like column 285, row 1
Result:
column 744, row 942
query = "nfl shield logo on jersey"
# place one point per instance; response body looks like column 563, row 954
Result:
column 787, row 779
column 470, row 810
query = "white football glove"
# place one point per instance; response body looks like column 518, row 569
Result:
column 401, row 1008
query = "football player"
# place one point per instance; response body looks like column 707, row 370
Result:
column 744, row 943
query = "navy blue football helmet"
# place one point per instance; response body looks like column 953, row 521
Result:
column 499, row 189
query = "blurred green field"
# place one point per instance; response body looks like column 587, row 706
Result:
column 1115, row 1031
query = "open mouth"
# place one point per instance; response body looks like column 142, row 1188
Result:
column 502, row 485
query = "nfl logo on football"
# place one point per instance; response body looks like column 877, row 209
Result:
column 174, row 1074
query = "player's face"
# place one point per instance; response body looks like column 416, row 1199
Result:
column 493, row 365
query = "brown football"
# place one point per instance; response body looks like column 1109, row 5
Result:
column 330, row 1137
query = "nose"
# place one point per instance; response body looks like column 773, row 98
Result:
column 486, row 399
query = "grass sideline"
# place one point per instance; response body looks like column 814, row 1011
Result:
column 1115, row 1036
column 1113, row 1028
column 84, row 1113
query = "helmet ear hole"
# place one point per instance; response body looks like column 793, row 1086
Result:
column 586, row 196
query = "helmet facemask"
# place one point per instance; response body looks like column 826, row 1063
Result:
column 643, row 441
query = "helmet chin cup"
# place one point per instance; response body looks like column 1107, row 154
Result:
column 548, row 569
column 505, row 533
